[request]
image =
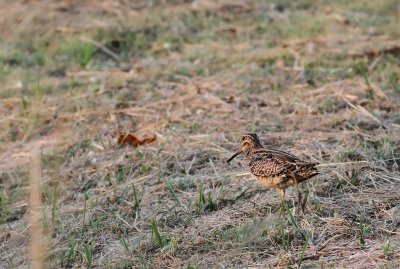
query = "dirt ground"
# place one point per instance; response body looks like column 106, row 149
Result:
column 319, row 79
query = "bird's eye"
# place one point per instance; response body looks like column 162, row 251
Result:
column 243, row 138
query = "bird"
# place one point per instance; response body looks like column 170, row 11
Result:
column 275, row 168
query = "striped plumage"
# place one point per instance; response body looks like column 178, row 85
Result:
column 274, row 168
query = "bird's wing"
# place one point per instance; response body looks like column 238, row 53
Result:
column 283, row 154
column 268, row 164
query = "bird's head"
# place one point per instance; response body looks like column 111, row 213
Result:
column 249, row 142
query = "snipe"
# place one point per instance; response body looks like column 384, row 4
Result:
column 274, row 168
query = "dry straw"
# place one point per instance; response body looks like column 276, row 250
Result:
column 38, row 240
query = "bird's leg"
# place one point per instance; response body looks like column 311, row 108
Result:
column 297, row 190
column 283, row 200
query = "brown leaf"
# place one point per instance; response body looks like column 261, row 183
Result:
column 388, row 47
column 148, row 140
column 132, row 140
column 395, row 50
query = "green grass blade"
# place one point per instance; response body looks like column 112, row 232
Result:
column 151, row 262
column 211, row 205
column 53, row 207
column 96, row 223
column 121, row 175
column 362, row 228
column 171, row 190
column 24, row 103
column 135, row 198
column 201, row 194
column 292, row 220
column 304, row 249
column 156, row 233
column 142, row 260
column 159, row 151
column 88, row 255
column 125, row 244
column 85, row 56
column 242, row 194
column 88, row 53
column 364, row 74
column 71, row 252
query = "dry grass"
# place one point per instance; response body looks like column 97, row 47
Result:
column 319, row 80
column 38, row 239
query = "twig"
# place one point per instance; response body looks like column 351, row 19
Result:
column 102, row 48
column 243, row 174
column 190, row 164
column 333, row 164
column 134, row 222
column 391, row 232
column 215, row 170
column 328, row 241
column 124, row 221
column 343, row 163
column 363, row 110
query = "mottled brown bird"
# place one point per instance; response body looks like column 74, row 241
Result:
column 274, row 168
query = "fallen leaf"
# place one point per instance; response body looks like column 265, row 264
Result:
column 148, row 140
column 395, row 50
column 132, row 140
column 375, row 49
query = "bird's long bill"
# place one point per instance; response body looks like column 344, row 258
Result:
column 234, row 155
